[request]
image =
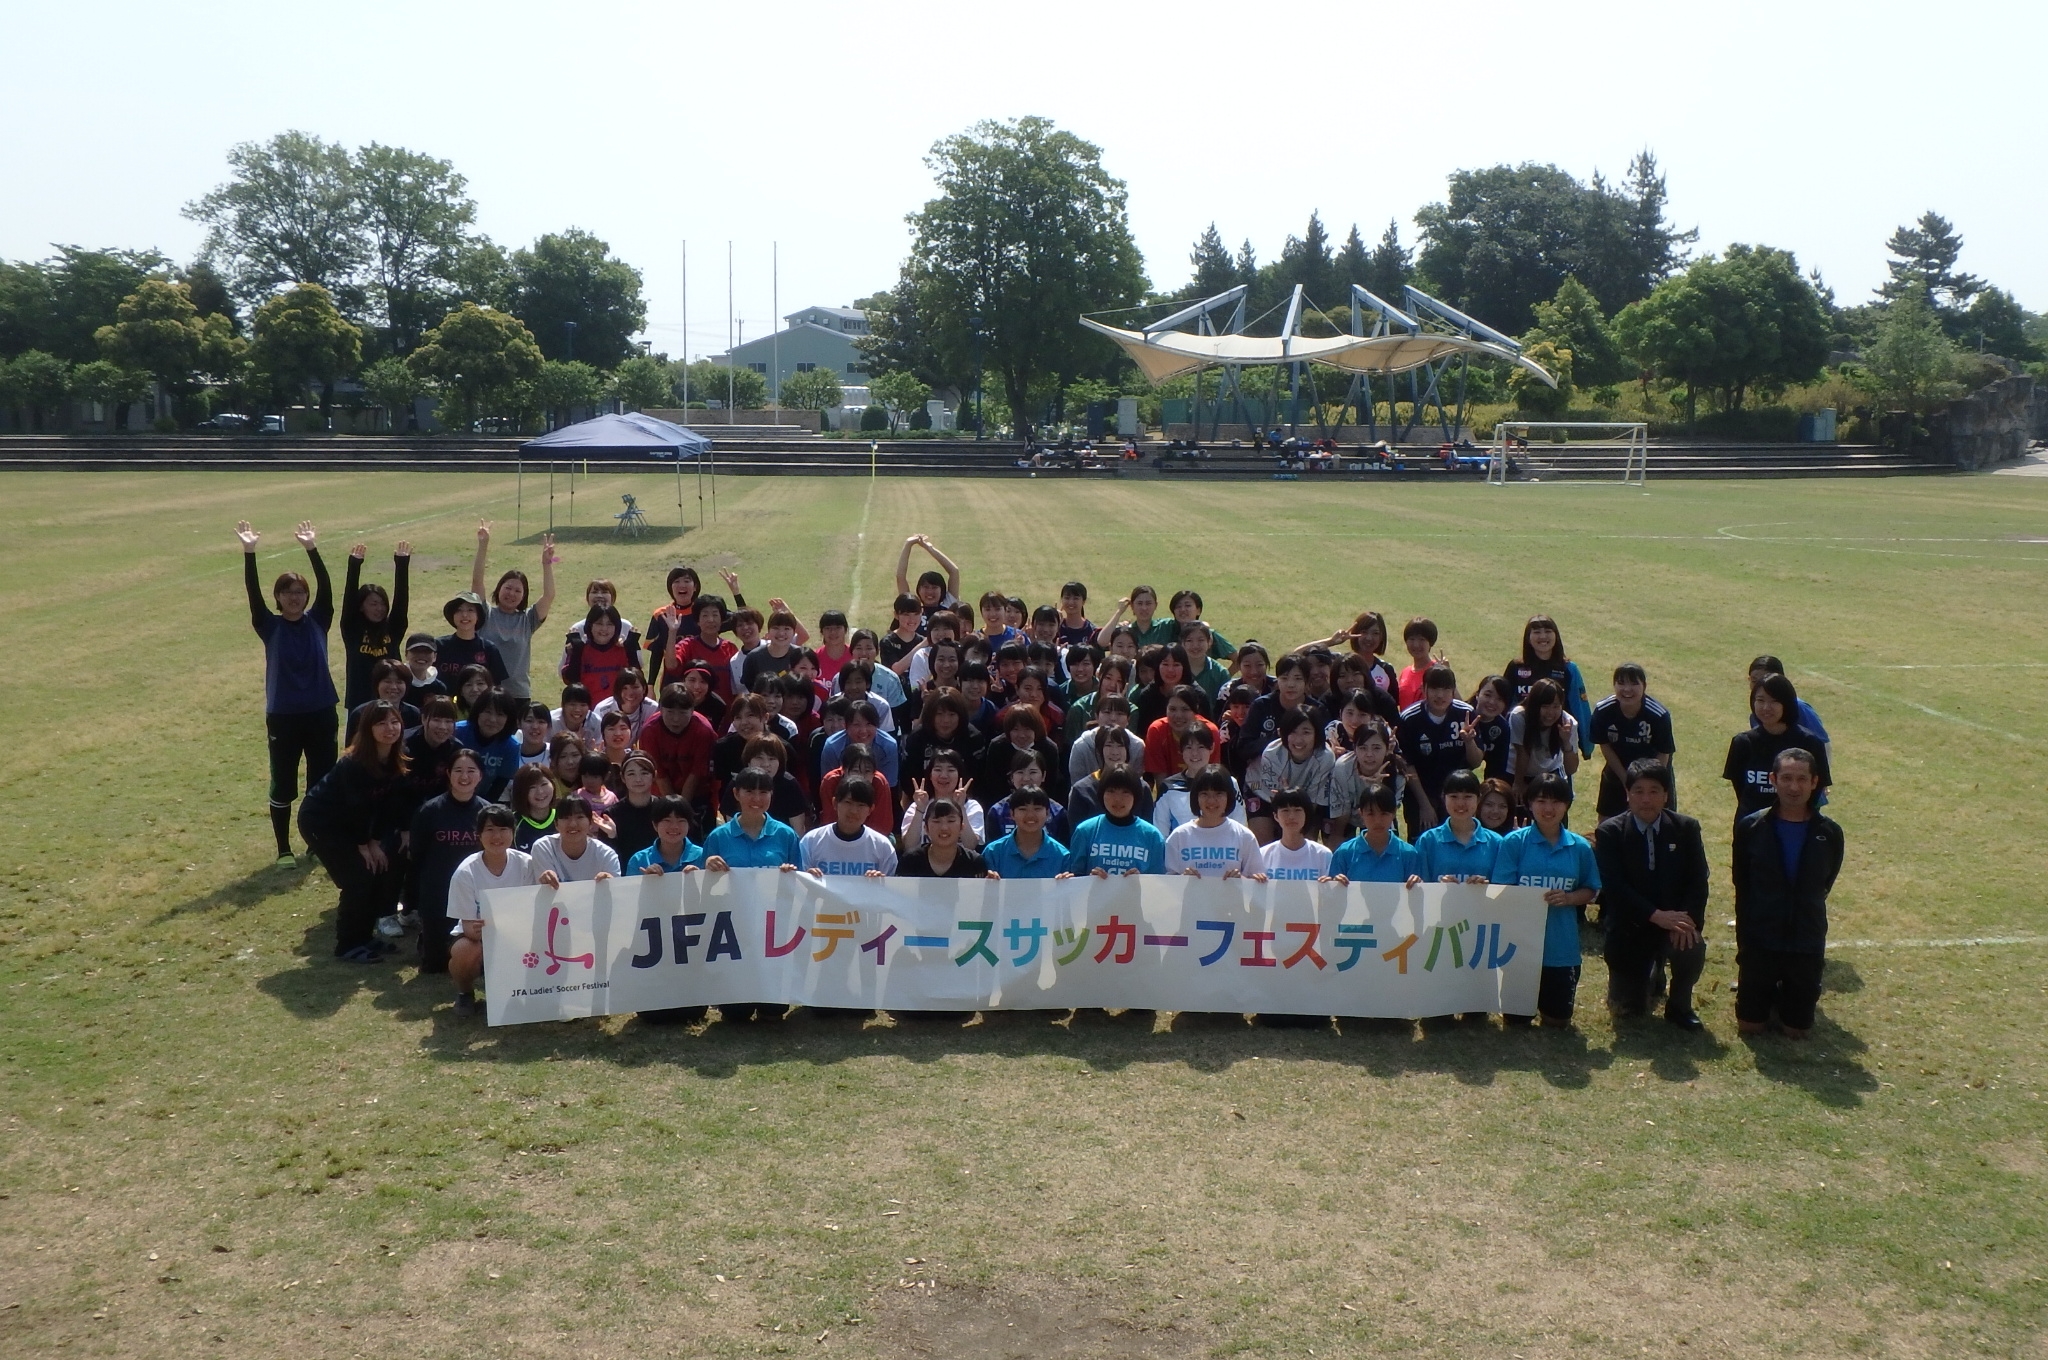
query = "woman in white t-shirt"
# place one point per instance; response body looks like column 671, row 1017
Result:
column 572, row 854
column 1293, row 857
column 1212, row 846
column 497, row 865
column 1543, row 738
column 943, row 779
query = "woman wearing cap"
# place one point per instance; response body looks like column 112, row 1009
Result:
column 510, row 623
column 423, row 679
column 466, row 646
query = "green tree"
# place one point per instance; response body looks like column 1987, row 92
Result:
column 898, row 339
column 899, row 393
column 1531, row 395
column 873, row 419
column 110, row 384
column 392, row 384
column 742, row 389
column 1390, row 267
column 1306, row 260
column 59, row 304
column 1996, row 322
column 643, row 381
column 301, row 339
column 479, row 356
column 564, row 385
column 572, row 276
column 1912, row 363
column 1506, row 237
column 1028, row 232
column 417, row 213
column 1652, row 248
column 159, row 331
column 35, row 382
column 816, row 390
column 482, row 273
column 1354, row 262
column 1213, row 270
column 1924, row 257
column 1746, row 321
column 288, row 214
column 1572, row 321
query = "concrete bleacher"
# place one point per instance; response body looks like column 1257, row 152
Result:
column 743, row 452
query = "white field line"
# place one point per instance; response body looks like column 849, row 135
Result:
column 1922, row 708
column 860, row 550
column 1965, row 942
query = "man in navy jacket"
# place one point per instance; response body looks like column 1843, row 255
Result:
column 1787, row 857
column 1653, row 896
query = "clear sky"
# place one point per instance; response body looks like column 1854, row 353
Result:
column 1817, row 127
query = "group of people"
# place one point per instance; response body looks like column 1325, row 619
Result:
column 1000, row 740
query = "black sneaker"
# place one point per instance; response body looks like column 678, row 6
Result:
column 1688, row 1021
column 465, row 1005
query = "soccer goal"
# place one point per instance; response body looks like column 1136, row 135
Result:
column 1586, row 448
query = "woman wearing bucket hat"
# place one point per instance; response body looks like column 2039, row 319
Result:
column 466, row 646
column 513, row 616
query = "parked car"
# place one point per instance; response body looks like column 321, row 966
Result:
column 227, row 422
column 271, row 425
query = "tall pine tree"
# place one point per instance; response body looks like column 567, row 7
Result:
column 1925, row 257
column 1214, row 271
column 1389, row 268
column 1354, row 261
column 1306, row 260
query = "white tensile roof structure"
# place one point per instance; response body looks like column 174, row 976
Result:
column 1400, row 342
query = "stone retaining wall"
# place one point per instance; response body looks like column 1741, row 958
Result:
column 1992, row 425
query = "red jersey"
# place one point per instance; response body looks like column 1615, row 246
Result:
column 1162, row 747
column 678, row 756
column 716, row 656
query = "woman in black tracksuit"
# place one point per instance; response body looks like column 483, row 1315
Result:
column 443, row 834
column 372, row 624
column 351, row 819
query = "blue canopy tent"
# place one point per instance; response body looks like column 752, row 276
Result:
column 616, row 438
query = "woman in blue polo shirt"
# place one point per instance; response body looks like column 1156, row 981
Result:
column 1547, row 855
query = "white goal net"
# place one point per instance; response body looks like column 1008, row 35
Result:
column 1527, row 449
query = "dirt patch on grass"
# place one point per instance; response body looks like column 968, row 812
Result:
column 1036, row 1321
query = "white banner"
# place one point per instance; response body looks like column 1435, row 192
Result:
column 1153, row 943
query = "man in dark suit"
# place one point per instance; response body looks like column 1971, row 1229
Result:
column 1787, row 858
column 1653, row 895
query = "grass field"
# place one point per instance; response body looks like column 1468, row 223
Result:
column 220, row 1142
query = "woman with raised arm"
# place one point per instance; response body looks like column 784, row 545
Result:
column 934, row 592
column 372, row 622
column 512, row 620
column 349, row 816
column 298, row 691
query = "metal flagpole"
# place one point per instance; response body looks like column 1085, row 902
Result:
column 731, row 362
column 686, row 384
column 775, row 315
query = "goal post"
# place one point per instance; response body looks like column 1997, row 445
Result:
column 1550, row 444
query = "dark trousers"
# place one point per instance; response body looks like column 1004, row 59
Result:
column 1777, row 978
column 294, row 737
column 1557, row 996
column 362, row 893
column 1632, row 954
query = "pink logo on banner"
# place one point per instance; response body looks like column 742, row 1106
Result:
column 557, row 917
